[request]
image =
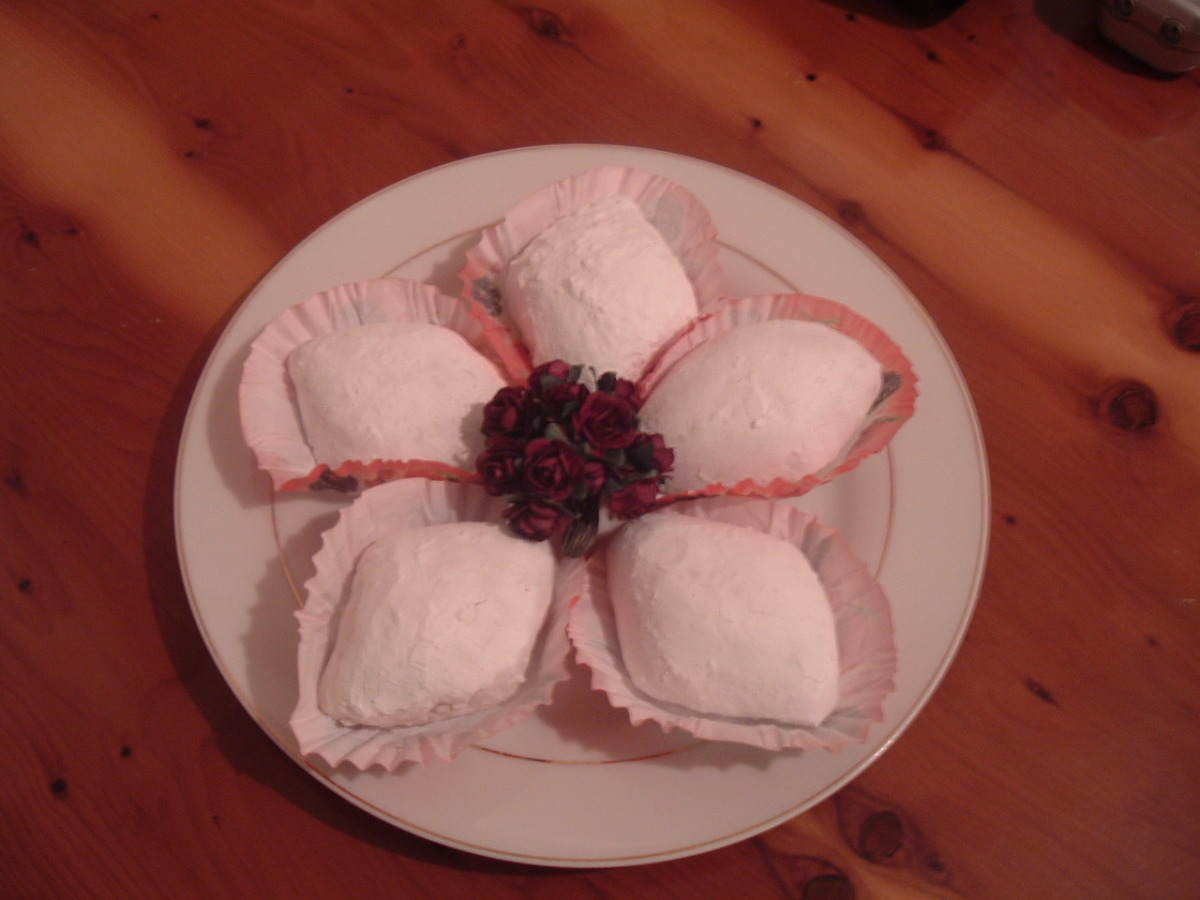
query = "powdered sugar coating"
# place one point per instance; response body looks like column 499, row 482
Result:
column 777, row 399
column 600, row 286
column 440, row 622
column 392, row 391
column 723, row 620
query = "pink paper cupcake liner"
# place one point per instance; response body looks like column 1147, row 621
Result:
column 863, row 623
column 378, row 511
column 679, row 216
column 894, row 407
column 270, row 416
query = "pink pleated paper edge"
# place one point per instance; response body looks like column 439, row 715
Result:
column 863, row 622
column 378, row 511
column 682, row 220
column 269, row 414
column 878, row 429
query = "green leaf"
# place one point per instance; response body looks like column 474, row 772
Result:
column 642, row 455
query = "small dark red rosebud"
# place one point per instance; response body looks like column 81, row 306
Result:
column 548, row 372
column 595, row 474
column 619, row 387
column 552, row 469
column 633, row 500
column 628, row 392
column 650, row 452
column 500, row 465
column 606, row 421
column 508, row 413
column 561, row 401
column 533, row 519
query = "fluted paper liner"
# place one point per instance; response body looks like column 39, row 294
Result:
column 863, row 624
column 675, row 212
column 894, row 406
column 378, row 511
column 270, row 415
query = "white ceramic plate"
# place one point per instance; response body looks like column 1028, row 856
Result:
column 576, row 785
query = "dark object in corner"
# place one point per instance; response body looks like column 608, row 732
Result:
column 1164, row 34
column 927, row 10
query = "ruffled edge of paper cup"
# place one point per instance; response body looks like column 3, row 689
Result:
column 894, row 406
column 863, row 623
column 378, row 511
column 677, row 214
column 270, row 416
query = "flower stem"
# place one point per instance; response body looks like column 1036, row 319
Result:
column 578, row 538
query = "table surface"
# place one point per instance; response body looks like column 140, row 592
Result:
column 1037, row 189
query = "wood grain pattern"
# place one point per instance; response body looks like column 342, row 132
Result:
column 1039, row 192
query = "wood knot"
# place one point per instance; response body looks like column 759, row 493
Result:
column 16, row 481
column 880, row 833
column 544, row 23
column 1185, row 327
column 880, row 836
column 828, row 887
column 1040, row 691
column 930, row 138
column 1129, row 405
column 809, row 877
column 851, row 213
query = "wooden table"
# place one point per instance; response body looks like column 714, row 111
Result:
column 1038, row 190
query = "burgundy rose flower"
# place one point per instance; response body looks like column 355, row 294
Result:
column 619, row 387
column 606, row 421
column 533, row 519
column 633, row 500
column 649, row 452
column 595, row 475
column 558, row 452
column 548, row 374
column 500, row 465
column 561, row 401
column 509, row 413
column 553, row 469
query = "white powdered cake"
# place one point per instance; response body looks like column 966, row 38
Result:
column 723, row 620
column 775, row 399
column 599, row 287
column 440, row 621
column 392, row 391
